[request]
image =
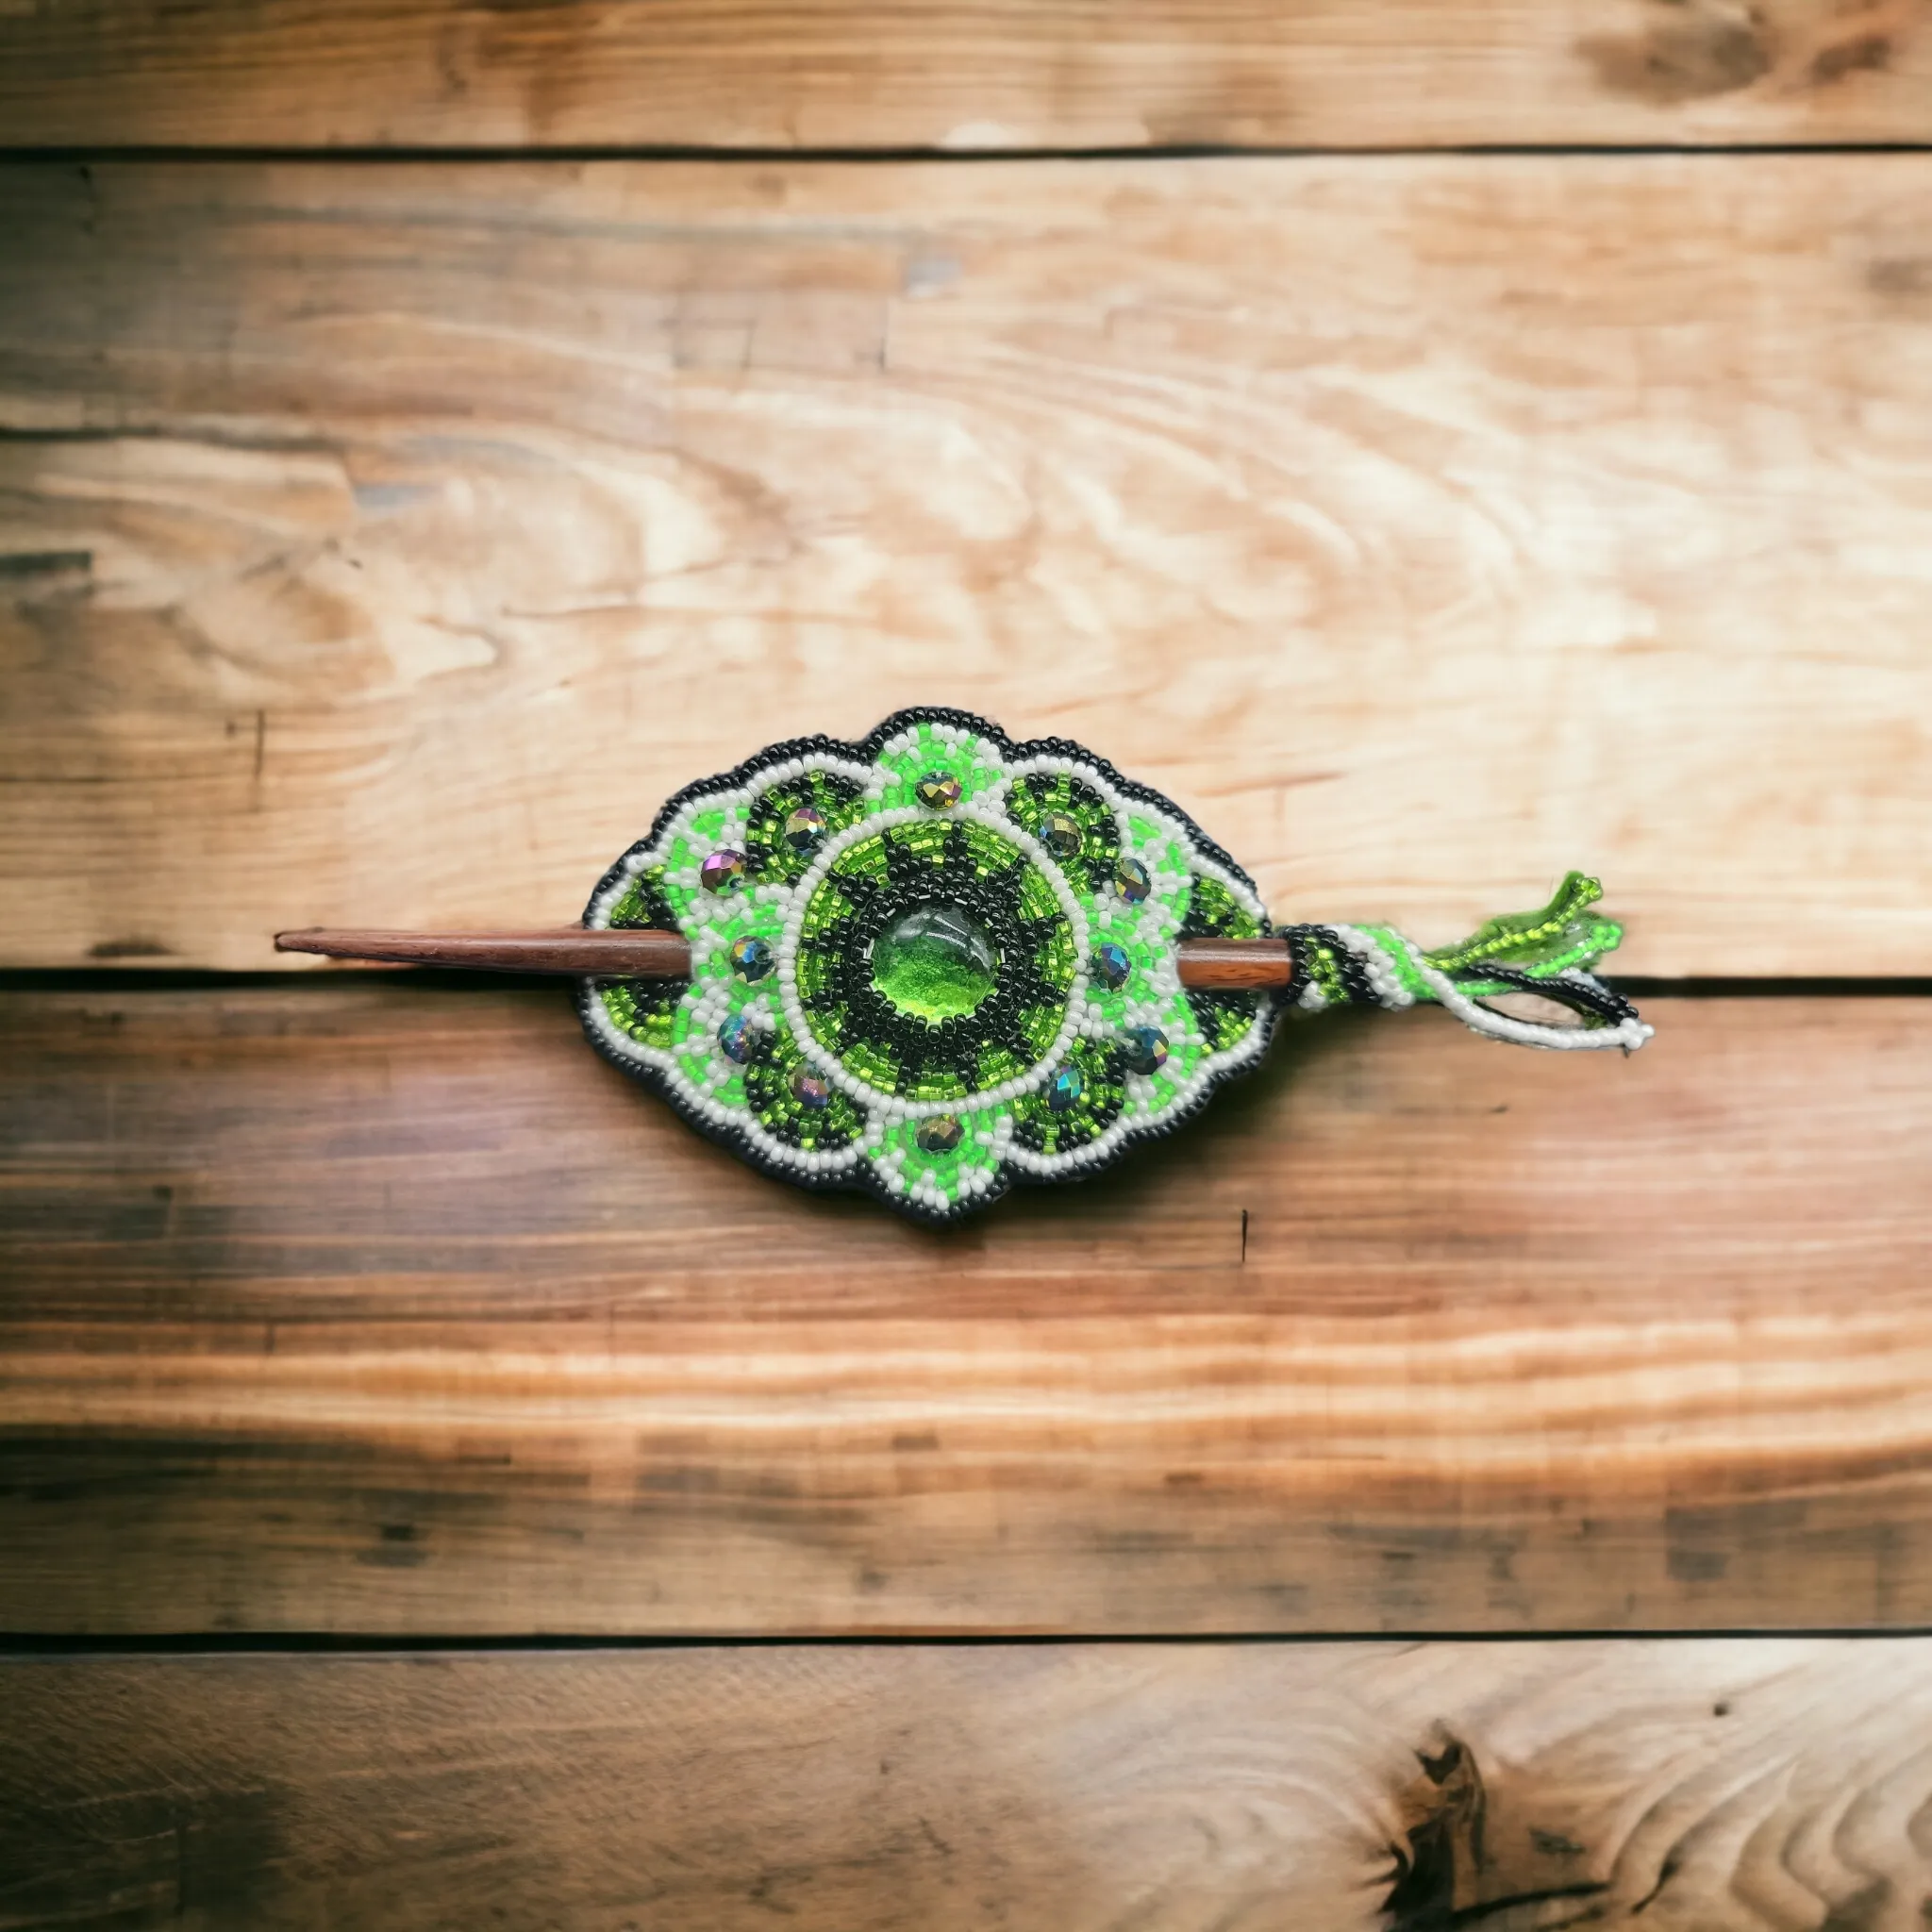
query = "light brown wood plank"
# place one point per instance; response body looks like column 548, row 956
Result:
column 393, row 1310
column 382, row 545
column 829, row 73
column 1740, row 1786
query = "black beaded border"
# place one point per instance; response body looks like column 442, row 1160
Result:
column 861, row 1177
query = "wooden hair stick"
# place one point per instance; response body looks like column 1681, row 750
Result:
column 1227, row 965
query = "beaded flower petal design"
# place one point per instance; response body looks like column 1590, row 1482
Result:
column 929, row 964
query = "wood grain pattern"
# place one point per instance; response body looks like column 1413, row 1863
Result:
column 390, row 1309
column 381, row 546
column 828, row 73
column 1698, row 1787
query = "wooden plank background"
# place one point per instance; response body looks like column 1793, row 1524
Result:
column 382, row 544
column 431, row 433
column 829, row 73
column 381, row 1307
column 1700, row 1787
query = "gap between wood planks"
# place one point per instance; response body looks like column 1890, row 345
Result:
column 25, row 1644
column 864, row 156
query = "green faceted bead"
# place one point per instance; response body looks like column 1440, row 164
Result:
column 1059, row 832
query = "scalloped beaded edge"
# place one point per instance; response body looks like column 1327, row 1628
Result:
column 864, row 1164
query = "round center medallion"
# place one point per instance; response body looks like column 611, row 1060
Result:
column 935, row 963
column 932, row 958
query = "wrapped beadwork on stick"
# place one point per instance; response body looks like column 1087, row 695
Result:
column 935, row 962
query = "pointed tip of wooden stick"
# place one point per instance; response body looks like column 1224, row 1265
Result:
column 568, row 950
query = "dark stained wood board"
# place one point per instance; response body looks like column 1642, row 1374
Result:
column 366, row 1305
column 380, row 545
column 1748, row 1786
column 829, row 73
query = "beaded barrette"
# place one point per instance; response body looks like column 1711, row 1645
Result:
column 936, row 963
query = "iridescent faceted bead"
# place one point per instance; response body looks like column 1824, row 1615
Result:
column 940, row 1134
column 1147, row 1049
column 1059, row 832
column 939, row 791
column 752, row 959
column 809, row 1090
column 1131, row 880
column 737, row 1038
column 1064, row 1093
column 722, row 872
column 1112, row 964
column 805, row 830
